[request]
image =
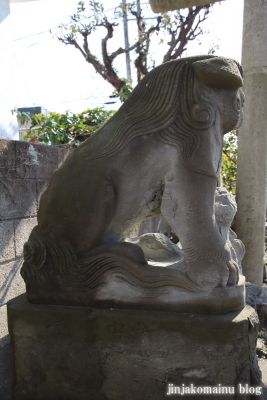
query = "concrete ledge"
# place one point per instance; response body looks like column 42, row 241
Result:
column 79, row 353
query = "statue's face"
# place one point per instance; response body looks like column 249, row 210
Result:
column 238, row 105
column 231, row 109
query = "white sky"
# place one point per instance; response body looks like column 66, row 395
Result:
column 37, row 70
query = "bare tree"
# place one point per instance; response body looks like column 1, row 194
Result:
column 181, row 26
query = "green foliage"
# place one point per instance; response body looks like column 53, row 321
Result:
column 22, row 117
column 56, row 128
column 125, row 91
column 229, row 158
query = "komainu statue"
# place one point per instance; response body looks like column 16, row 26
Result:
column 159, row 153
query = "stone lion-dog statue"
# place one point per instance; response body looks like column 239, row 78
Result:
column 160, row 152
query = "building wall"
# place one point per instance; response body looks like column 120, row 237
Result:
column 25, row 170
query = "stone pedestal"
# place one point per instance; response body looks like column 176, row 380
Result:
column 76, row 353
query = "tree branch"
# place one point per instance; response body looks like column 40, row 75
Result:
column 71, row 41
column 187, row 31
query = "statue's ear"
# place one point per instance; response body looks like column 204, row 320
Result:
column 219, row 73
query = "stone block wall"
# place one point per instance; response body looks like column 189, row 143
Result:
column 25, row 170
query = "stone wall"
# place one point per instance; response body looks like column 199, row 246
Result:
column 25, row 170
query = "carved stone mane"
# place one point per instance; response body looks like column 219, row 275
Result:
column 176, row 104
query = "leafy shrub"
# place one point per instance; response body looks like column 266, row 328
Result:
column 229, row 159
column 56, row 128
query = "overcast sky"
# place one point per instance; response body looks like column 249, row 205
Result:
column 37, row 70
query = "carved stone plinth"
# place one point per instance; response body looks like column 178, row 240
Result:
column 79, row 353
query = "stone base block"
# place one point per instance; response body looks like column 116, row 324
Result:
column 79, row 353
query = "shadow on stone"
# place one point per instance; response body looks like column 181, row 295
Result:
column 5, row 381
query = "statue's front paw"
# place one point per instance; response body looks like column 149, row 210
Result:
column 233, row 273
column 213, row 273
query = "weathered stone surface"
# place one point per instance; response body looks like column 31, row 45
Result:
column 25, row 169
column 7, row 159
column 262, row 313
column 7, row 245
column 251, row 175
column 35, row 161
column 159, row 250
column 251, row 294
column 261, row 307
column 252, row 142
column 23, row 160
column 40, row 187
column 263, row 367
column 162, row 6
column 4, row 336
column 11, row 282
column 263, row 296
column 18, row 198
column 254, row 44
column 63, row 153
column 5, row 383
column 169, row 134
column 225, row 211
column 27, row 160
column 156, row 224
column 74, row 353
column 23, row 228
